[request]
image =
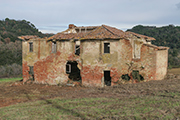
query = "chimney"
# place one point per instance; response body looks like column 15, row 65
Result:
column 71, row 26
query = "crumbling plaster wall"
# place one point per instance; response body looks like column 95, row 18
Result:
column 145, row 64
column 161, row 64
column 49, row 68
column 148, row 62
column 53, row 66
column 30, row 58
column 95, row 61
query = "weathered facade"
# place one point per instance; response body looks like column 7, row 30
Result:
column 96, row 55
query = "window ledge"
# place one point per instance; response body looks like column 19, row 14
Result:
column 136, row 59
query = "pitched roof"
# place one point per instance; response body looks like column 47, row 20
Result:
column 157, row 47
column 27, row 37
column 104, row 32
column 97, row 32
column 129, row 35
column 69, row 36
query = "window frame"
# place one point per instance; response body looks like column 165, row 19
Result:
column 54, row 47
column 106, row 47
column 77, row 49
column 69, row 67
column 30, row 46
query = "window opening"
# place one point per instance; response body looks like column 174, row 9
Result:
column 106, row 47
column 77, row 51
column 73, row 71
column 30, row 47
column 107, row 78
column 54, row 47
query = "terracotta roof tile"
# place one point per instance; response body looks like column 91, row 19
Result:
column 62, row 36
column 104, row 32
column 129, row 35
column 27, row 37
column 98, row 32
column 115, row 31
column 157, row 47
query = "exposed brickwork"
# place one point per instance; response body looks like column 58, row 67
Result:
column 91, row 76
column 25, row 71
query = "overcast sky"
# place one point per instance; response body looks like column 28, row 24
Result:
column 52, row 16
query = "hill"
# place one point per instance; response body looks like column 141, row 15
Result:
column 11, row 29
column 168, row 36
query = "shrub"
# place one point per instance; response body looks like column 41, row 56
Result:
column 13, row 70
column 137, row 76
column 125, row 77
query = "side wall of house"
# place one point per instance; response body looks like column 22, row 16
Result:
column 161, row 64
column 147, row 63
column 30, row 58
column 49, row 68
column 119, row 61
column 52, row 69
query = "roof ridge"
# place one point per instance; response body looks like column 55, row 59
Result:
column 105, row 26
column 109, row 30
column 90, row 32
column 140, row 35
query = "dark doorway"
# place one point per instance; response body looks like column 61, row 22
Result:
column 73, row 71
column 31, row 72
column 107, row 78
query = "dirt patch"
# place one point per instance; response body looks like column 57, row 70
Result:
column 16, row 92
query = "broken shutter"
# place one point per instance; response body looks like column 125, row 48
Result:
column 68, row 68
column 77, row 51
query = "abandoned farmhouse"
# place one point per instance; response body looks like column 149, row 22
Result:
column 95, row 55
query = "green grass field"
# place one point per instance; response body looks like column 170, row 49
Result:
column 133, row 107
column 10, row 79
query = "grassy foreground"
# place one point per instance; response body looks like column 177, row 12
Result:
column 132, row 107
column 10, row 79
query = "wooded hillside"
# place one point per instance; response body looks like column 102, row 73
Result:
column 168, row 36
column 11, row 29
column 11, row 47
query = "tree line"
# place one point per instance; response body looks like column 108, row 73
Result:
column 168, row 36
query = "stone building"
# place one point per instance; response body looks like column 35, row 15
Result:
column 96, row 55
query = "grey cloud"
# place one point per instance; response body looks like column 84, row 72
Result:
column 57, row 14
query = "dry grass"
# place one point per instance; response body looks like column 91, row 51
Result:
column 174, row 71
